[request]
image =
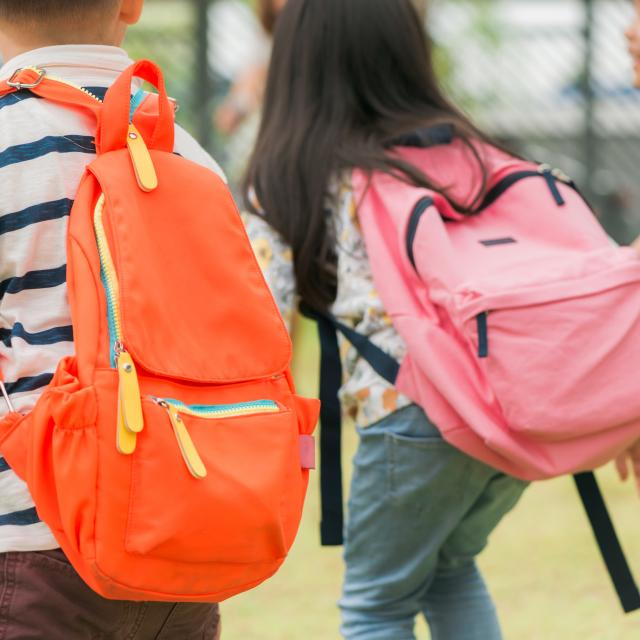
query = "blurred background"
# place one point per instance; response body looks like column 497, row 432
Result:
column 552, row 79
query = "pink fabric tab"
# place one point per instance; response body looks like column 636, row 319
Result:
column 307, row 452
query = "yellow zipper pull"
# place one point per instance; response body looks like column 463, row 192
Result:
column 187, row 448
column 125, row 439
column 129, row 393
column 141, row 159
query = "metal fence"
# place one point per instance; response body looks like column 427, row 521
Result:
column 553, row 79
column 549, row 77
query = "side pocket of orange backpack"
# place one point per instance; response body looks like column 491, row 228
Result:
column 53, row 449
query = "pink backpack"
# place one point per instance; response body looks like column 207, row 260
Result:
column 522, row 322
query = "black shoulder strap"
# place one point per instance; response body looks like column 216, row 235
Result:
column 331, row 450
column 332, row 522
column 332, row 518
column 382, row 363
column 430, row 137
column 608, row 541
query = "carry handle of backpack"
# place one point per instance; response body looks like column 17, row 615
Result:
column 446, row 210
column 114, row 121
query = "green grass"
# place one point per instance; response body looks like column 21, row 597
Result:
column 542, row 566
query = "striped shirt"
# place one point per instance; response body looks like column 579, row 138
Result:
column 44, row 149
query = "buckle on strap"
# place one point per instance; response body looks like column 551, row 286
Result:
column 12, row 82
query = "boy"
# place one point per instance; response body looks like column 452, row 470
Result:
column 44, row 149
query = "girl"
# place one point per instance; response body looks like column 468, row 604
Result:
column 348, row 78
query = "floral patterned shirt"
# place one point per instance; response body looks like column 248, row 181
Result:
column 365, row 396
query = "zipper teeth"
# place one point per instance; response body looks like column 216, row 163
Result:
column 213, row 411
column 70, row 84
column 240, row 411
column 110, row 278
column 85, row 91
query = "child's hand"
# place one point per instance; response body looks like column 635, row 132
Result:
column 636, row 244
column 622, row 463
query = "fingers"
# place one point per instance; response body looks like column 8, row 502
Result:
column 635, row 461
column 621, row 466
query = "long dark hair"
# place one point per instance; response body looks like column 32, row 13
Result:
column 347, row 78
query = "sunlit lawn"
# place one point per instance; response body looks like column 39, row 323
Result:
column 542, row 565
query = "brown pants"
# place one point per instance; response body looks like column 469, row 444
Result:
column 43, row 598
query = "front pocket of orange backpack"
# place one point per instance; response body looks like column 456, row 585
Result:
column 208, row 481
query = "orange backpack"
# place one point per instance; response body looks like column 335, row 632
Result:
column 170, row 456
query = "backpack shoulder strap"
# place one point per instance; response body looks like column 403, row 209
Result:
column 608, row 542
column 37, row 81
column 331, row 491
column 430, row 137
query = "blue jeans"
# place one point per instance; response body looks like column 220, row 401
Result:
column 420, row 511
